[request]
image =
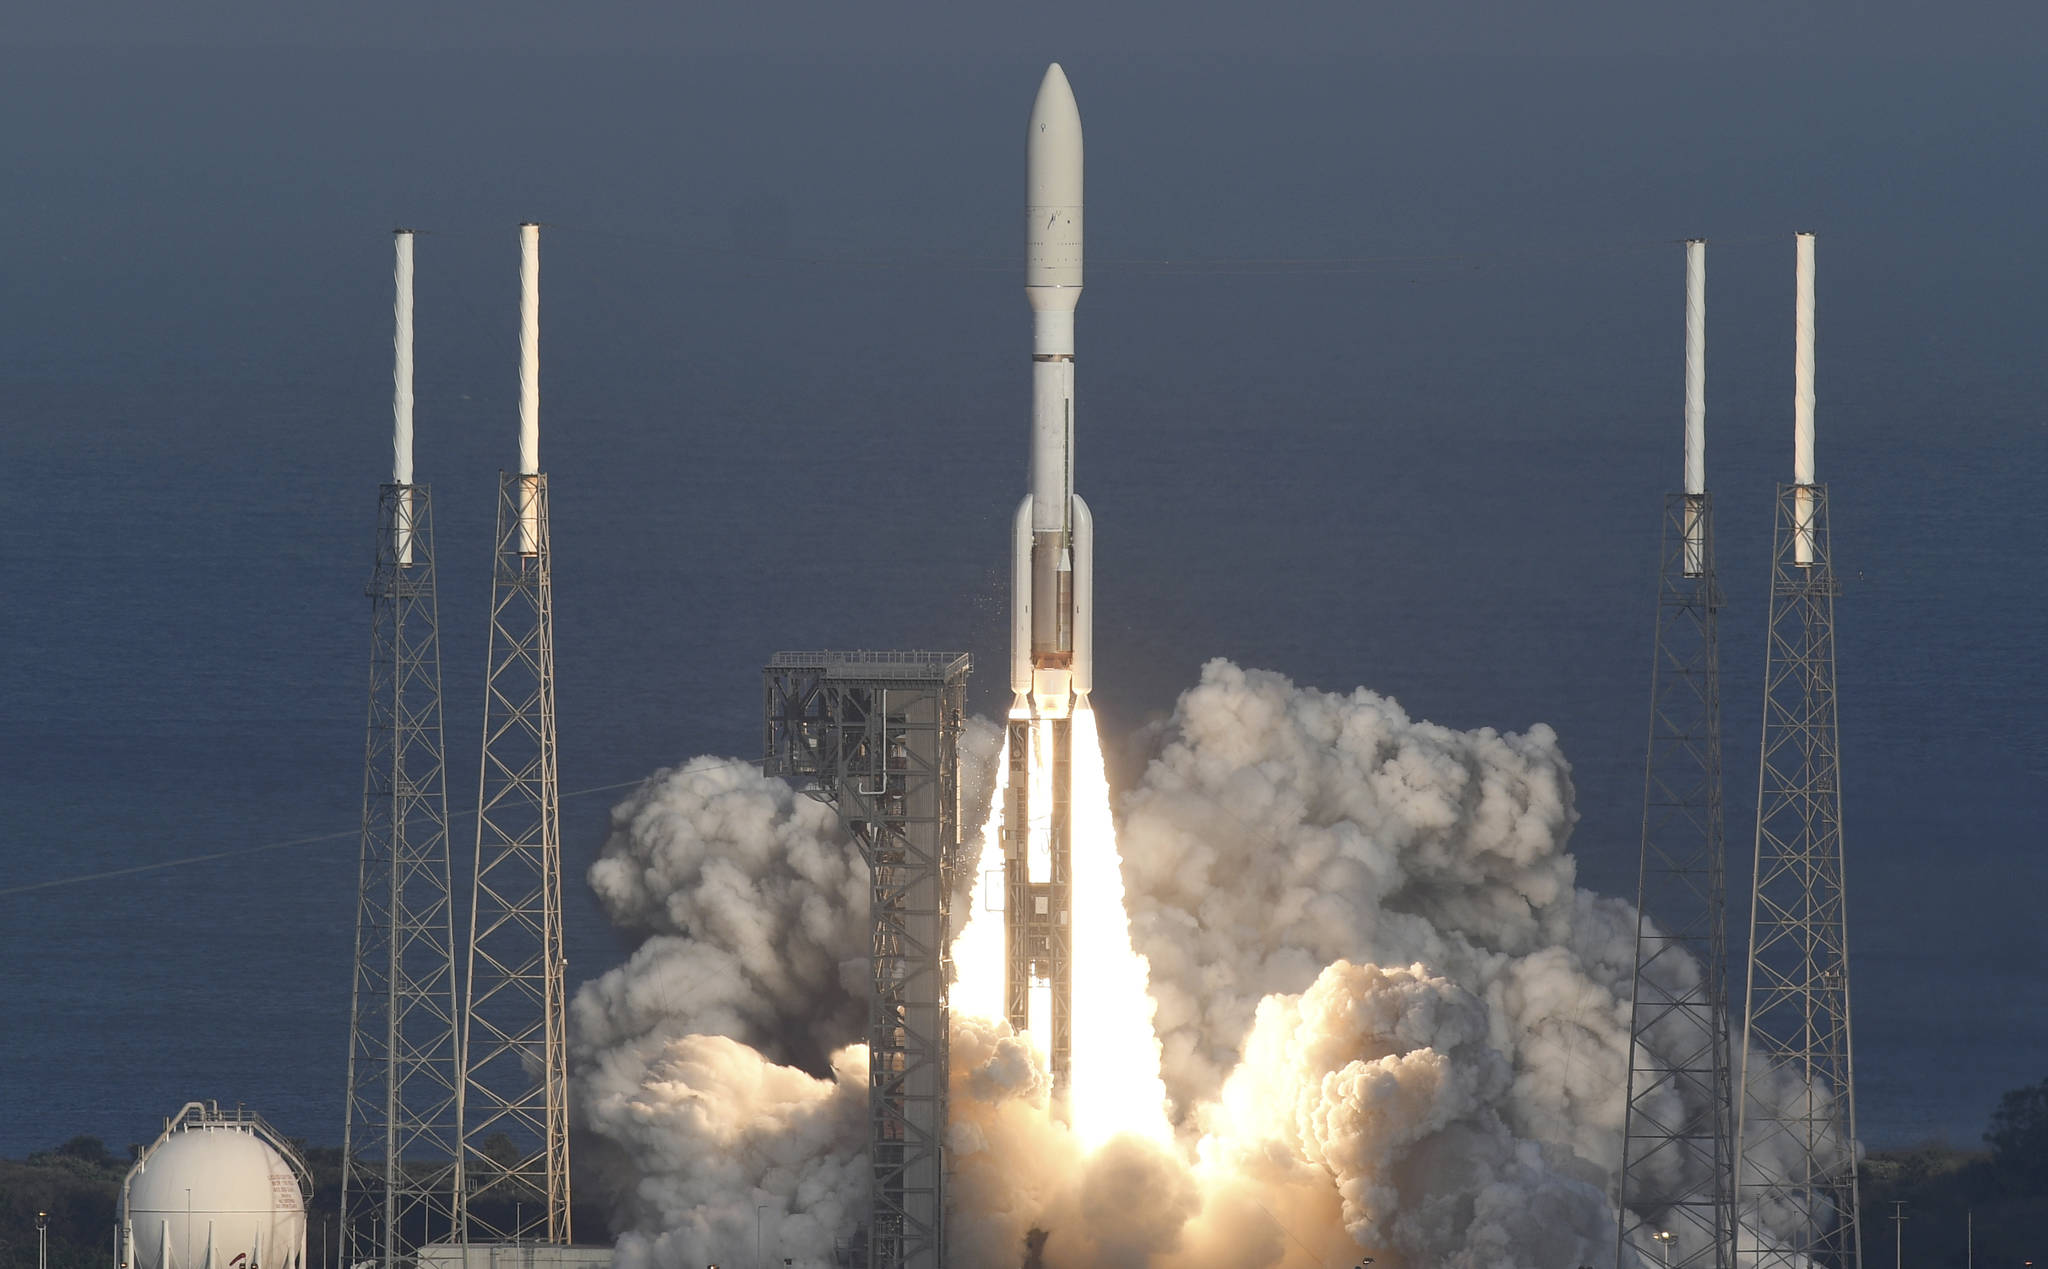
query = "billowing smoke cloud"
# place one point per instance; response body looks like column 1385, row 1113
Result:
column 703, row 1132
column 753, row 908
column 1392, row 1024
column 719, row 1068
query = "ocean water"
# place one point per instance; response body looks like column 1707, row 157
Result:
column 784, row 395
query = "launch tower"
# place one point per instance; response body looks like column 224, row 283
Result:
column 1797, row 1117
column 877, row 735
column 1677, row 1179
column 515, row 1111
column 401, row 1145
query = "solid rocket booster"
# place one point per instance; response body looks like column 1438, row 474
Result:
column 1052, row 659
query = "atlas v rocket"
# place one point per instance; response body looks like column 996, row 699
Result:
column 1052, row 642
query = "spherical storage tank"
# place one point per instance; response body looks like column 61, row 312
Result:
column 215, row 1192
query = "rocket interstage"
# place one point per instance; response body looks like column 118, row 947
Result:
column 1052, row 643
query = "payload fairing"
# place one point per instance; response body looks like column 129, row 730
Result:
column 1052, row 641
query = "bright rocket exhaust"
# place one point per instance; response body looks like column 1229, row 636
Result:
column 1052, row 641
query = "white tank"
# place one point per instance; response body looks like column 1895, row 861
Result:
column 214, row 1192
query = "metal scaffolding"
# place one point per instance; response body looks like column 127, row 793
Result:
column 515, row 1081
column 401, row 1146
column 877, row 734
column 1797, row 1118
column 1677, row 1172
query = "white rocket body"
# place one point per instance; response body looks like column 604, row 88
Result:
column 1052, row 644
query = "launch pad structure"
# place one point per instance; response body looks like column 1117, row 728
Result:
column 1678, row 1135
column 515, row 1108
column 401, row 1143
column 877, row 735
column 1796, row 1122
column 1677, row 1201
column 1798, row 1141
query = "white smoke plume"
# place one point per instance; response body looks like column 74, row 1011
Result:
column 753, row 908
column 719, row 1068
column 1392, row 1024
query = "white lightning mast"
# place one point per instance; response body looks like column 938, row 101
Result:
column 516, row 1099
column 1796, row 1117
column 402, row 1143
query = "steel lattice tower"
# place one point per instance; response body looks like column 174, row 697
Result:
column 1678, row 1139
column 515, row 1075
column 1797, row 1165
column 877, row 734
column 401, row 1144
column 1797, row 1141
column 1676, row 1200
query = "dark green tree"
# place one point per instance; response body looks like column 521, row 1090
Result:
column 2018, row 1136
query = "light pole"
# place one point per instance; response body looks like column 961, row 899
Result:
column 1898, row 1234
column 42, row 1240
column 1665, row 1237
column 759, row 1208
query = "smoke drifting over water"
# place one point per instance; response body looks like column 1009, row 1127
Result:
column 1391, row 1023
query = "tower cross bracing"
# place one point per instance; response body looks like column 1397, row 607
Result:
column 515, row 1085
column 1676, row 1197
column 401, row 1144
column 1797, row 1112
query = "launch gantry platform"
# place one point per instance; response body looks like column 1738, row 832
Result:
column 877, row 735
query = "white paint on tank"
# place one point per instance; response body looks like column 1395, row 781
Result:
column 214, row 1197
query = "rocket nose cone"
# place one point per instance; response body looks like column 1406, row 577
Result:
column 1054, row 147
column 1053, row 88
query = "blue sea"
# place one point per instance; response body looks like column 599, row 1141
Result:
column 1379, row 384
